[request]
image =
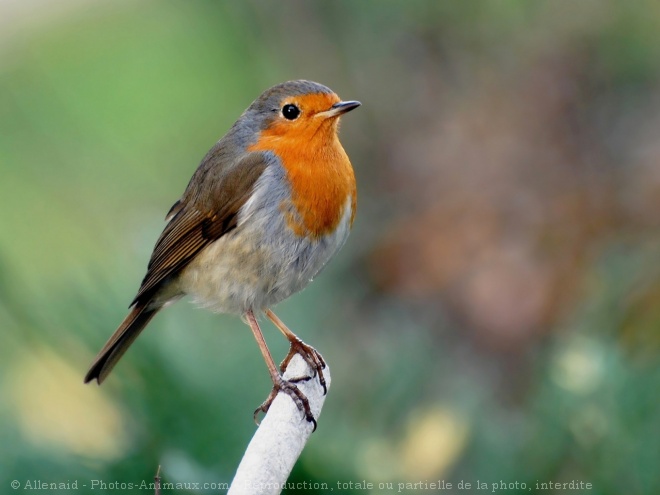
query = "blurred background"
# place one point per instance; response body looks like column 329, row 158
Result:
column 494, row 315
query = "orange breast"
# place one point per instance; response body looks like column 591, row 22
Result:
column 320, row 174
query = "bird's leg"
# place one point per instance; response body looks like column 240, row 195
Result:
column 279, row 383
column 311, row 356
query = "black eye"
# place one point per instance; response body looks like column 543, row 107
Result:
column 290, row 112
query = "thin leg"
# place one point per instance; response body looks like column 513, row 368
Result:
column 307, row 352
column 263, row 347
column 279, row 384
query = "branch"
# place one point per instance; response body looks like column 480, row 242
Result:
column 157, row 481
column 280, row 438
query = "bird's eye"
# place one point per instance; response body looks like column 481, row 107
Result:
column 290, row 111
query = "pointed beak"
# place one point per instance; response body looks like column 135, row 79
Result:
column 340, row 108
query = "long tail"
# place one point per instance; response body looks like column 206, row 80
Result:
column 120, row 341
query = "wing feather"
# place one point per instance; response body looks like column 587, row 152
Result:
column 205, row 213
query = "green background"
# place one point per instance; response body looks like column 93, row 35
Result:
column 494, row 316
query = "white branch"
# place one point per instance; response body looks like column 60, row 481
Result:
column 280, row 438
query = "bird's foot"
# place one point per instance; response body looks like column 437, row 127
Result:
column 288, row 387
column 311, row 356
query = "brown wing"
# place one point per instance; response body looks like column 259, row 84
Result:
column 206, row 212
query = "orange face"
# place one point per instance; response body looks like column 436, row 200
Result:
column 304, row 137
column 308, row 116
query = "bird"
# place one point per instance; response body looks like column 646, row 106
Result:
column 269, row 205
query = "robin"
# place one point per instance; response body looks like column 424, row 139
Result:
column 270, row 204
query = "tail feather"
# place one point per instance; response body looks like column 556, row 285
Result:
column 120, row 341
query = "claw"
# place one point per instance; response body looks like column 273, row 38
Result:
column 311, row 356
column 289, row 388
